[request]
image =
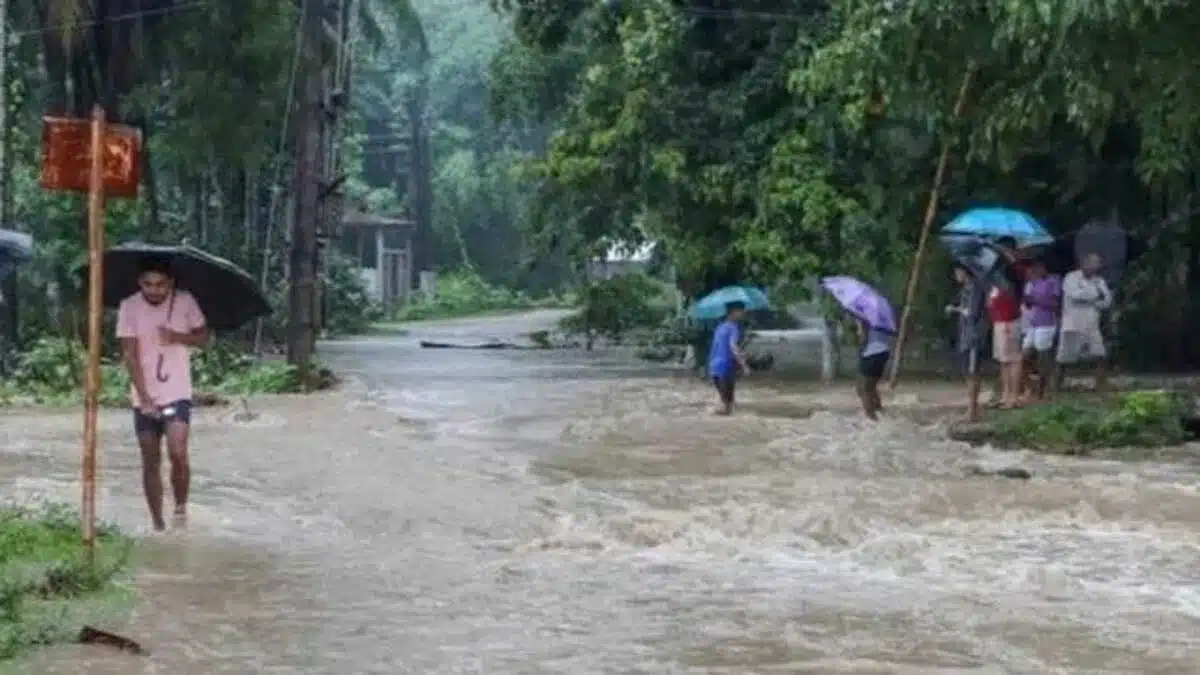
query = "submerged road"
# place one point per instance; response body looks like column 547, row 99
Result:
column 530, row 512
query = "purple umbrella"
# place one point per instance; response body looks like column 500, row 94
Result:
column 864, row 302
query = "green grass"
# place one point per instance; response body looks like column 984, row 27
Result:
column 1133, row 422
column 48, row 591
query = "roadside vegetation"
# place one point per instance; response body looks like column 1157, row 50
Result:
column 464, row 294
column 48, row 591
column 1131, row 423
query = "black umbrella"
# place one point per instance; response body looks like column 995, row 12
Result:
column 228, row 296
column 1117, row 248
column 15, row 248
column 978, row 255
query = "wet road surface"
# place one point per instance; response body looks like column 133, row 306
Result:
column 526, row 512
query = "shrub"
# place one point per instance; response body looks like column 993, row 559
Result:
column 615, row 307
column 51, row 372
column 1138, row 419
column 465, row 293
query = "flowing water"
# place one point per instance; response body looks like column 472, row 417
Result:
column 508, row 512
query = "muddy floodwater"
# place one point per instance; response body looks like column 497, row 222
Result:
column 522, row 512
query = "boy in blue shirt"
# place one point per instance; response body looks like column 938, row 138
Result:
column 725, row 356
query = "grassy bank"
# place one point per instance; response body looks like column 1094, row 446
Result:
column 48, row 593
column 1135, row 423
column 51, row 373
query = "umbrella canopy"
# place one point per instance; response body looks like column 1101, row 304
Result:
column 15, row 248
column 228, row 296
column 862, row 301
column 712, row 306
column 1117, row 248
column 978, row 255
column 996, row 223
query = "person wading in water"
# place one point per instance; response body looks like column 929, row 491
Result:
column 726, row 358
column 157, row 327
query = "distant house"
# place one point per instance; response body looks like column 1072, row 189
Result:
column 621, row 259
column 382, row 248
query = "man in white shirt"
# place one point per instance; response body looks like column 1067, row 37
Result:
column 1085, row 296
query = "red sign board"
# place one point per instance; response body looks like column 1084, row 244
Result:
column 66, row 156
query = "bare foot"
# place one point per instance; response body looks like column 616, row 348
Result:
column 180, row 515
column 160, row 525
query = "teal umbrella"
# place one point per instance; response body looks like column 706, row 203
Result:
column 713, row 305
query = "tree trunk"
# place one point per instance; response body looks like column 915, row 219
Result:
column 420, row 183
column 301, row 334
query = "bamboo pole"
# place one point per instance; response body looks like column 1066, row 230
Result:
column 931, row 207
column 91, row 404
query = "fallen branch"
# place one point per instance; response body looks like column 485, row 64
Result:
column 95, row 636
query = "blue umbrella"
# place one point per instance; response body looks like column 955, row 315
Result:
column 712, row 306
column 996, row 223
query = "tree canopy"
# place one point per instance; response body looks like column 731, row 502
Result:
column 765, row 141
column 778, row 139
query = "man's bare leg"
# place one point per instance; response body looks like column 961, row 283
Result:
column 151, row 446
column 181, row 473
column 1045, row 361
column 1012, row 383
column 1060, row 379
column 973, row 387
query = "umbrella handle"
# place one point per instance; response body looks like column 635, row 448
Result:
column 158, row 370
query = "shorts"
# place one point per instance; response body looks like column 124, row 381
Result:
column 1006, row 341
column 872, row 367
column 1075, row 346
column 726, row 386
column 1039, row 339
column 179, row 411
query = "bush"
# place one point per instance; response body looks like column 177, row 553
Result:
column 465, row 293
column 51, row 372
column 48, row 592
column 1141, row 419
column 349, row 307
column 615, row 307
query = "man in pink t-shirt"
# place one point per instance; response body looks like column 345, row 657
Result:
column 158, row 326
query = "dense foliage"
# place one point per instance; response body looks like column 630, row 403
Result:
column 217, row 92
column 767, row 142
column 778, row 139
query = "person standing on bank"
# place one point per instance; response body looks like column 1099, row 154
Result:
column 157, row 327
column 1004, row 311
column 1085, row 297
column 972, row 329
column 1041, row 302
column 726, row 358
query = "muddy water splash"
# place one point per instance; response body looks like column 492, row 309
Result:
column 510, row 513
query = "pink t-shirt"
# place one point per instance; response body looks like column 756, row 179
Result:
column 167, row 369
